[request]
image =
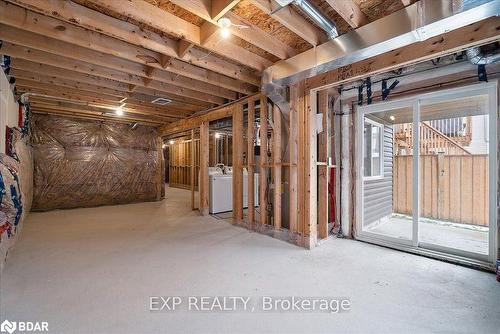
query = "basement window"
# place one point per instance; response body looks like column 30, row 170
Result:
column 372, row 149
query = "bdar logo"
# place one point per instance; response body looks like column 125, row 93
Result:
column 8, row 326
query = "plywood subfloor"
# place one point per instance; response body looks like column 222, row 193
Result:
column 93, row 270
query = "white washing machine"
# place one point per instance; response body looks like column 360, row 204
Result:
column 221, row 192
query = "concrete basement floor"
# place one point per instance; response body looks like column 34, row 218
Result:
column 93, row 271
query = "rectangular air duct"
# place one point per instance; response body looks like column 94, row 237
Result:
column 418, row 22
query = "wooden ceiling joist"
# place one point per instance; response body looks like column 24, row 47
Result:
column 15, row 16
column 220, row 7
column 46, row 62
column 89, row 98
column 130, row 106
column 164, row 21
column 64, row 105
column 119, row 89
column 88, row 90
column 95, row 116
column 350, row 12
column 292, row 21
column 74, row 13
column 251, row 34
column 206, row 116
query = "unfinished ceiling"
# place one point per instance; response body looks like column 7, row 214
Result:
column 88, row 58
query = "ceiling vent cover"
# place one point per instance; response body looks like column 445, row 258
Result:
column 162, row 101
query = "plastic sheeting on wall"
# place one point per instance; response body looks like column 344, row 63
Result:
column 81, row 163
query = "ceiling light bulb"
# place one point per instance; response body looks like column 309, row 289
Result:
column 171, row 142
column 119, row 111
column 224, row 22
column 217, row 135
column 225, row 33
column 392, row 118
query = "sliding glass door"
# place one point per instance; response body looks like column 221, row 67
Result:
column 427, row 172
column 384, row 216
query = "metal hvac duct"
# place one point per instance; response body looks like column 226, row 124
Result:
column 477, row 57
column 415, row 23
column 314, row 14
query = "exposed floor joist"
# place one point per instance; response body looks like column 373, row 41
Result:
column 153, row 16
column 249, row 33
column 71, row 12
column 70, row 36
column 292, row 21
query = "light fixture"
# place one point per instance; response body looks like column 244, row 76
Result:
column 224, row 24
column 225, row 33
column 171, row 142
column 164, row 145
column 217, row 135
column 119, row 110
column 392, row 118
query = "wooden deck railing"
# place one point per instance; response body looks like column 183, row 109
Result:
column 431, row 141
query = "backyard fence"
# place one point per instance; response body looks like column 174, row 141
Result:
column 452, row 187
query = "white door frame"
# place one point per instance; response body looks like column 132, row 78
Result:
column 414, row 244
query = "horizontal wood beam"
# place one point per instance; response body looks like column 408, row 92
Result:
column 65, row 93
column 20, row 18
column 158, row 18
column 479, row 33
column 292, row 21
column 256, row 36
column 154, row 89
column 59, row 105
column 74, row 13
column 207, row 116
column 51, row 80
column 219, row 8
column 130, row 106
column 350, row 12
column 94, row 116
column 47, row 63
column 20, row 74
column 253, row 34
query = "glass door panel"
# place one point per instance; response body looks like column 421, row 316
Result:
column 453, row 161
column 387, row 170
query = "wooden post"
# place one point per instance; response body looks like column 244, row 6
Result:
column 323, row 168
column 301, row 162
column 263, row 161
column 161, row 169
column 311, row 181
column 204, row 158
column 192, row 170
column 238, row 162
column 250, row 160
column 293, row 147
column 307, row 169
column 277, row 166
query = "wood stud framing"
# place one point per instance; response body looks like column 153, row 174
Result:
column 277, row 166
column 263, row 161
column 238, row 162
column 192, row 169
column 88, row 62
column 323, row 168
column 204, row 158
column 251, row 160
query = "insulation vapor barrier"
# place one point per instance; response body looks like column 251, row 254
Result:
column 80, row 163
